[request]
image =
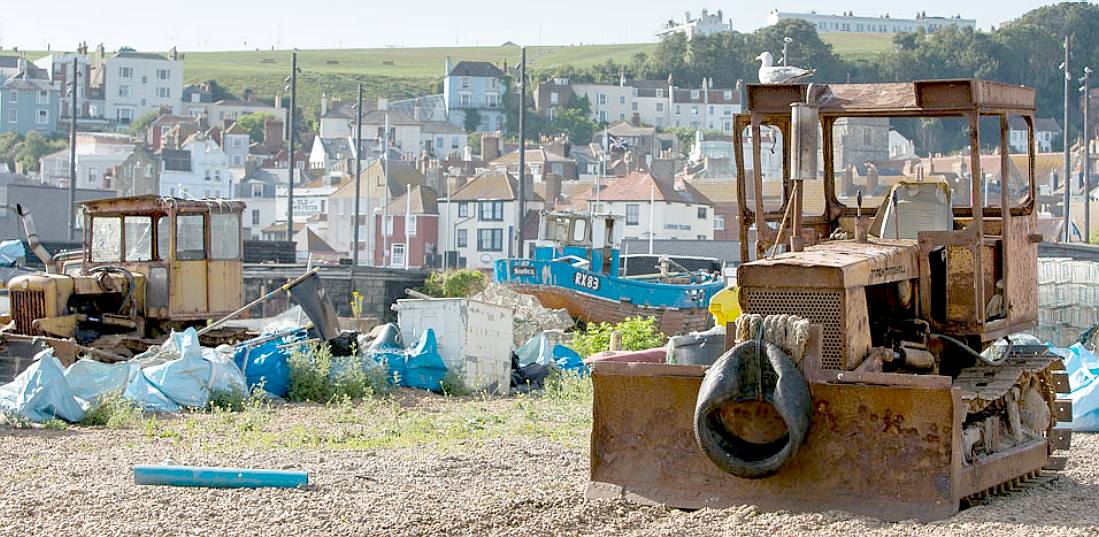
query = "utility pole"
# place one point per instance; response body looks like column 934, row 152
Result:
column 386, row 227
column 1087, row 154
column 358, row 184
column 522, row 149
column 293, row 79
column 72, row 154
column 407, row 227
column 785, row 44
column 1067, row 236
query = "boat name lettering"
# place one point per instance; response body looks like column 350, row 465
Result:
column 586, row 280
column 522, row 270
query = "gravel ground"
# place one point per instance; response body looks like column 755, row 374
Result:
column 78, row 481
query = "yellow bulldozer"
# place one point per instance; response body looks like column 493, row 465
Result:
column 871, row 369
column 148, row 265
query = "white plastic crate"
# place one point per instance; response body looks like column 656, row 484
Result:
column 474, row 337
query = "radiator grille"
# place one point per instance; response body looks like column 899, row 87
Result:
column 26, row 306
column 824, row 307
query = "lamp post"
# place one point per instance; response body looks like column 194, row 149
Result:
column 1086, row 88
column 786, row 40
column 522, row 149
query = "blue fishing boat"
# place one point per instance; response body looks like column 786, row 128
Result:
column 569, row 270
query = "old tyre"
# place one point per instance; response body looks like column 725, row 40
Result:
column 745, row 377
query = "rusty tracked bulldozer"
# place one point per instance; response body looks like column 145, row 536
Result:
column 148, row 264
column 898, row 407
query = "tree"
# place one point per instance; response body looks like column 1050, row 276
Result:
column 472, row 119
column 142, row 122
column 254, row 124
column 574, row 124
column 10, row 143
column 34, row 147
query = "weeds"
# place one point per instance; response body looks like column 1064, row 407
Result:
column 454, row 385
column 315, row 375
column 638, row 333
column 113, row 411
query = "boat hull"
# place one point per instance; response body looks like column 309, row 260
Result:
column 589, row 308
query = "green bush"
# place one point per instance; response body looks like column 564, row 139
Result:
column 113, row 411
column 453, row 384
column 638, row 333
column 315, row 375
column 462, row 283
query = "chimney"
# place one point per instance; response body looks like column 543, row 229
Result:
column 553, row 189
column 383, row 104
column 490, row 147
column 173, row 54
column 663, row 171
column 635, row 119
column 448, row 66
column 324, row 104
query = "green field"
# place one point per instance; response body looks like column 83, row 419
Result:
column 405, row 72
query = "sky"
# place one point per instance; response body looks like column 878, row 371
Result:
column 193, row 25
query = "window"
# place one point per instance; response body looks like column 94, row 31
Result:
column 463, row 238
column 207, row 175
column 224, row 236
column 43, row 117
column 124, row 91
column 463, row 209
column 255, row 217
column 492, row 100
column 465, row 83
column 492, row 211
column 125, row 115
column 621, row 99
column 162, row 248
column 13, row 96
column 106, row 239
column 602, row 99
column 410, row 224
column 190, row 237
column 659, row 107
column 635, row 106
column 139, row 238
column 711, row 110
column 126, row 72
column 238, row 160
column 719, row 222
column 164, row 93
column 603, row 116
column 727, row 95
column 397, row 257
column 660, row 92
column 677, row 109
column 454, row 142
column 163, row 74
column 866, row 137
column 633, row 211
column 702, row 213
column 465, row 100
column 43, row 97
column 257, row 191
column 694, row 110
column 694, row 94
column 490, row 240
column 438, row 142
column 554, row 97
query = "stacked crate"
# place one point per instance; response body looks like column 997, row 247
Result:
column 1068, row 298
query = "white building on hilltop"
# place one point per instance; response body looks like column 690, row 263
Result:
column 707, row 24
column 848, row 22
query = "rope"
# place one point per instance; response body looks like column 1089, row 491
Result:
column 787, row 332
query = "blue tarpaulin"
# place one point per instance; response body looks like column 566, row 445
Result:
column 11, row 251
column 40, row 392
column 265, row 360
column 1082, row 366
column 543, row 351
column 419, row 367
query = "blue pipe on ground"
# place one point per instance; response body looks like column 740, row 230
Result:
column 196, row 476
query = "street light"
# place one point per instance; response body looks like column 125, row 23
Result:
column 786, row 40
column 1067, row 236
column 1085, row 89
column 292, row 86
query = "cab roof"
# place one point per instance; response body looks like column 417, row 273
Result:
column 153, row 203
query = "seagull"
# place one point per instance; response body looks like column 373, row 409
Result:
column 780, row 74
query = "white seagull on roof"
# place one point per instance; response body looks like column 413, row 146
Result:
column 780, row 74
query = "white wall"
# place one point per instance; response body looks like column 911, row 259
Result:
column 143, row 85
column 450, row 222
column 671, row 220
column 209, row 175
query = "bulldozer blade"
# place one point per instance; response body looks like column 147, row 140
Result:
column 314, row 301
column 892, row 452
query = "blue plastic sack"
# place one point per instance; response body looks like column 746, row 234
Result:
column 424, row 367
column 190, row 379
column 41, row 393
column 11, row 251
column 263, row 362
column 569, row 360
column 1082, row 366
column 388, row 350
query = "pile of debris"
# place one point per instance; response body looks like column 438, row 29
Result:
column 531, row 317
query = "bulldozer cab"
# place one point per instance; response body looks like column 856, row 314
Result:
column 188, row 251
column 946, row 166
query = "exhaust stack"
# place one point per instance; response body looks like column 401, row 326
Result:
column 33, row 241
